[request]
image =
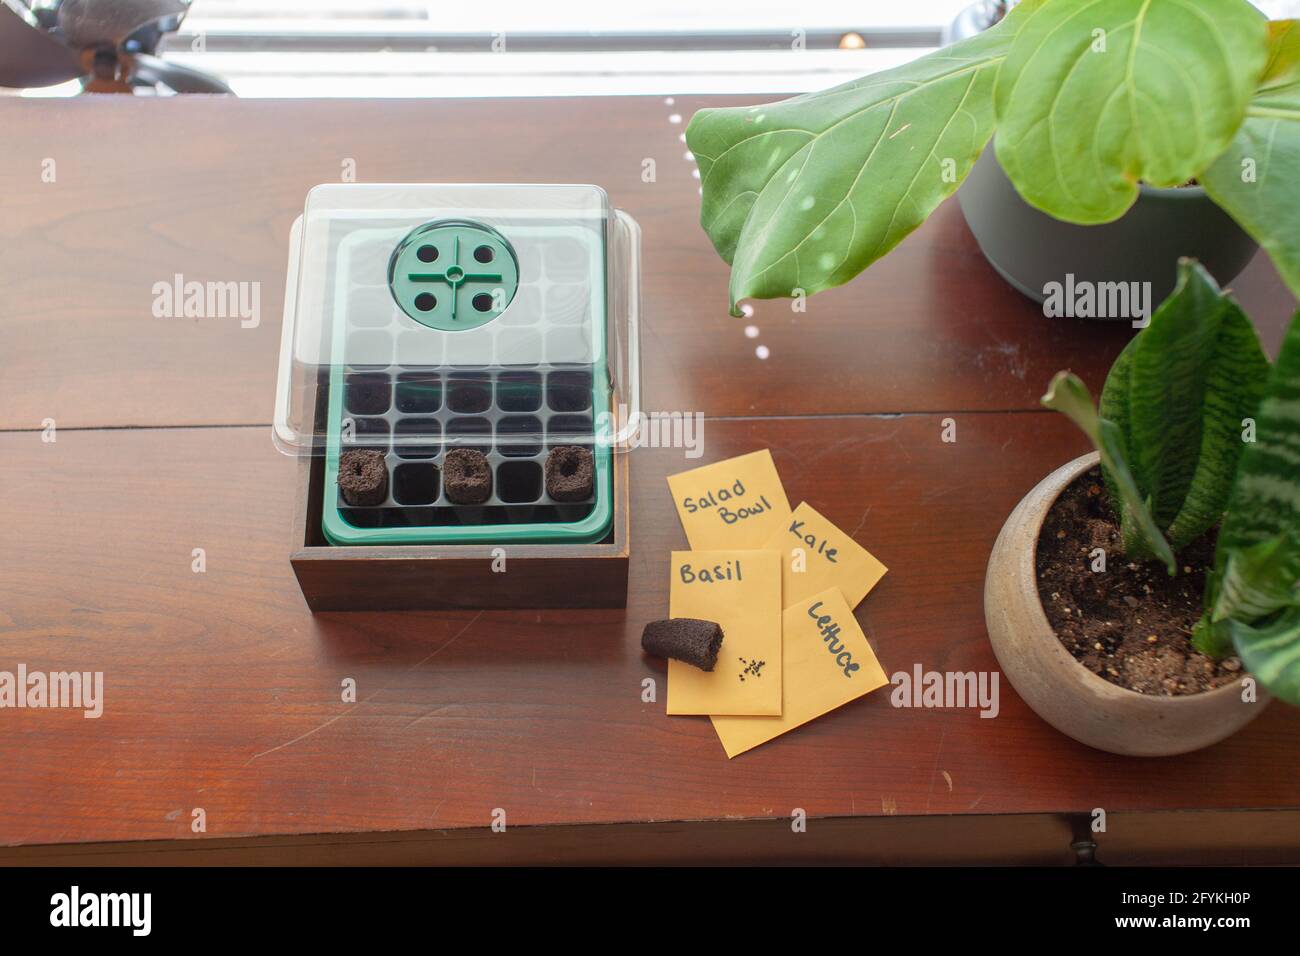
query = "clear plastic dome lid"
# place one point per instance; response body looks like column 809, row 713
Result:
column 491, row 316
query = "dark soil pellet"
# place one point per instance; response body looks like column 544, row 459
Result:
column 570, row 473
column 1131, row 624
column 466, row 477
column 685, row 639
column 363, row 477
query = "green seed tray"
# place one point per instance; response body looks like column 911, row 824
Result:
column 512, row 378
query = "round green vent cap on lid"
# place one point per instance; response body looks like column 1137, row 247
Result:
column 453, row 274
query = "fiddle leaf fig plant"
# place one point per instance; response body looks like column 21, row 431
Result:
column 1254, row 181
column 1088, row 99
column 1095, row 97
column 806, row 193
column 1195, row 431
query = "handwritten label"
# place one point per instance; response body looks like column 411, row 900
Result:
column 816, row 555
column 832, row 635
column 736, row 503
column 726, row 571
column 825, row 663
column 741, row 591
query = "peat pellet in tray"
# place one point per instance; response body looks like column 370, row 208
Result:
column 570, row 473
column 363, row 477
column 466, row 477
column 685, row 639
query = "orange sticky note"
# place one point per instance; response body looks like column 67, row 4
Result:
column 737, row 503
column 741, row 591
column 825, row 663
column 816, row 555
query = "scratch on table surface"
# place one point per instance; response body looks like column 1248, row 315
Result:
column 943, row 732
column 454, row 638
column 888, row 807
column 861, row 522
column 338, row 717
column 930, row 494
column 947, row 778
column 314, row 730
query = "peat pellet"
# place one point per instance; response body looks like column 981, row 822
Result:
column 685, row 639
column 466, row 477
column 570, row 473
column 363, row 477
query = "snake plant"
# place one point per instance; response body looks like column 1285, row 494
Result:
column 1196, row 431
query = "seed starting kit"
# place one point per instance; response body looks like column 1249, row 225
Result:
column 455, row 365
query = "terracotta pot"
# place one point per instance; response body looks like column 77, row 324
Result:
column 1062, row 691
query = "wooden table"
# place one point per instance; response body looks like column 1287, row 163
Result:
column 222, row 691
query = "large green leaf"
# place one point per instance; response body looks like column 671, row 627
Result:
column 1257, row 180
column 1097, row 95
column 1068, row 395
column 1271, row 651
column 1257, row 568
column 1265, row 499
column 804, row 194
column 1254, row 583
column 1259, row 580
column 1179, row 393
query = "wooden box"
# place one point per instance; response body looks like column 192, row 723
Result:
column 409, row 577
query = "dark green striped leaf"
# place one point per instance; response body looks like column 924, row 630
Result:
column 1068, row 395
column 1259, row 580
column 1271, row 651
column 1178, row 394
column 1257, row 561
column 1265, row 499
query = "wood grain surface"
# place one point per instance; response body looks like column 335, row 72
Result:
column 208, row 188
column 223, row 692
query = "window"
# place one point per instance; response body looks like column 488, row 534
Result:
column 522, row 48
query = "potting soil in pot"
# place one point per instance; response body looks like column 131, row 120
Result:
column 1131, row 623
